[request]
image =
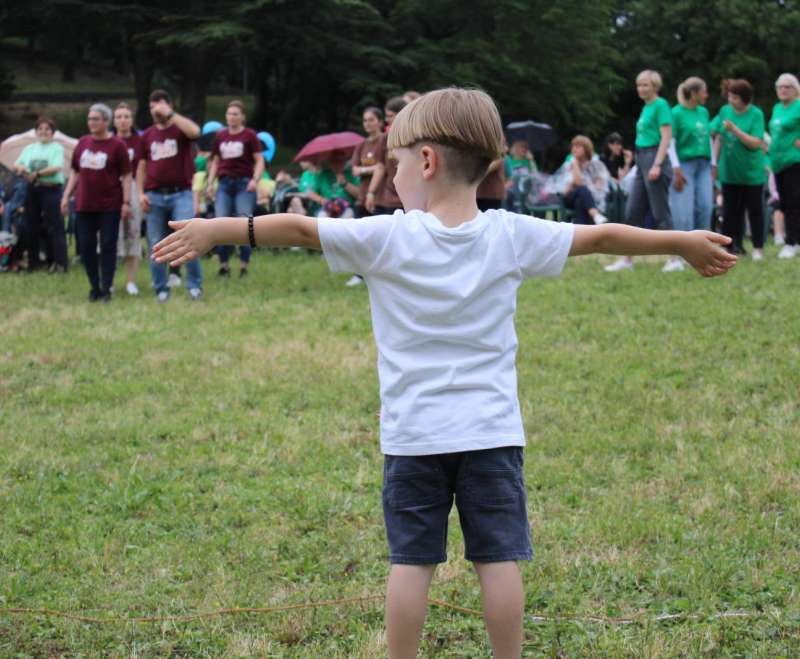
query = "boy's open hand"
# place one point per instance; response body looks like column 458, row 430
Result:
column 704, row 251
column 192, row 238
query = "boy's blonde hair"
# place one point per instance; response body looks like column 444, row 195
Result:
column 465, row 122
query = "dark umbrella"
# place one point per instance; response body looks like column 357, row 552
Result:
column 538, row 136
column 321, row 148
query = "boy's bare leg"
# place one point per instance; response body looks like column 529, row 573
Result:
column 406, row 608
column 503, row 602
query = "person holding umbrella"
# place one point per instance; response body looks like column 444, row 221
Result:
column 42, row 163
column 333, row 187
column 334, row 184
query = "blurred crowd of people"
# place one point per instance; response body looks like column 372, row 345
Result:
column 685, row 171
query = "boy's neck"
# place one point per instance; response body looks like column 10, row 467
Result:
column 454, row 205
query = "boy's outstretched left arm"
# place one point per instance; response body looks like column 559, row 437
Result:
column 703, row 250
column 193, row 238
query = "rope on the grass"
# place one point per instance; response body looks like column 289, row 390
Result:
column 535, row 618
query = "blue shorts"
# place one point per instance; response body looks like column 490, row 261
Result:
column 490, row 496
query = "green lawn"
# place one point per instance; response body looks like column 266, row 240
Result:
column 159, row 460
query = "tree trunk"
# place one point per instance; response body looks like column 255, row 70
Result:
column 195, row 75
column 262, row 96
column 143, row 70
column 122, row 56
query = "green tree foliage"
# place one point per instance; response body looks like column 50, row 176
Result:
column 716, row 39
column 312, row 65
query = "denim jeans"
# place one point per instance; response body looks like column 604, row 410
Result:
column 233, row 200
column 87, row 226
column 581, row 200
column 691, row 207
column 164, row 207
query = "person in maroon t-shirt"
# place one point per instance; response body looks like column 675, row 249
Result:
column 385, row 199
column 129, row 245
column 236, row 159
column 164, row 180
column 101, row 171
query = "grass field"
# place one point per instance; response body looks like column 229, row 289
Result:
column 186, row 458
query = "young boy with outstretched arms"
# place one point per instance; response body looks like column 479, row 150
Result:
column 442, row 280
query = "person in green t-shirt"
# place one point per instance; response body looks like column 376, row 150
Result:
column 519, row 160
column 784, row 155
column 691, row 197
column 518, row 165
column 334, row 180
column 738, row 132
column 650, row 189
column 42, row 164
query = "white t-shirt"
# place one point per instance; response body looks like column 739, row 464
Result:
column 443, row 302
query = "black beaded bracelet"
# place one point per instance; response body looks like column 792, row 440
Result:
column 251, row 231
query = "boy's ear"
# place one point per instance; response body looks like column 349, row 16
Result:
column 430, row 161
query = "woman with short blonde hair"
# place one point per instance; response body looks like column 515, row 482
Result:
column 650, row 189
column 784, row 155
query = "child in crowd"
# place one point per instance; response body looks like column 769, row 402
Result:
column 442, row 279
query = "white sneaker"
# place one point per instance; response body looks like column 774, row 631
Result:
column 195, row 293
column 599, row 218
column 673, row 265
column 619, row 265
column 780, row 240
column 174, row 281
column 758, row 255
column 131, row 288
column 162, row 297
column 788, row 252
column 355, row 280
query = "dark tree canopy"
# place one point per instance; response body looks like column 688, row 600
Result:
column 313, row 64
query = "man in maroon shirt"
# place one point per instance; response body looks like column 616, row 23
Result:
column 164, row 181
column 101, row 170
column 236, row 159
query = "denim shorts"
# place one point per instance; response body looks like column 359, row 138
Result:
column 490, row 497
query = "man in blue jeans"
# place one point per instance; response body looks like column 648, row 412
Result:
column 164, row 181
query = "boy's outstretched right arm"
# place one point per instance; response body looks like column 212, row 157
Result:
column 703, row 250
column 193, row 238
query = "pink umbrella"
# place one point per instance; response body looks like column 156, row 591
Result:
column 321, row 148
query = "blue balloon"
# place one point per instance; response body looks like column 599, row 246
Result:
column 211, row 127
column 269, row 145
